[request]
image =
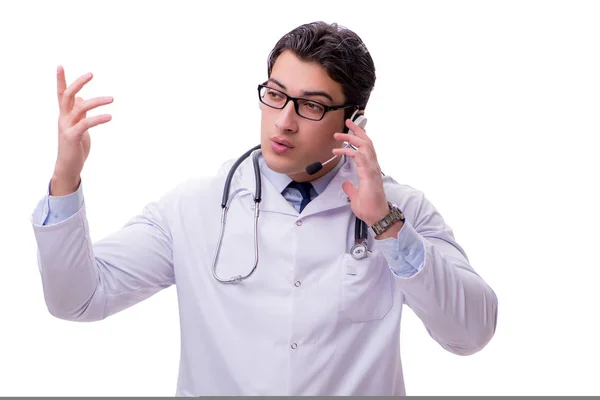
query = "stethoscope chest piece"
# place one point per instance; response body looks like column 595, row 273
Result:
column 359, row 251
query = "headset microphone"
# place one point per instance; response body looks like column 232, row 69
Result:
column 317, row 166
column 359, row 120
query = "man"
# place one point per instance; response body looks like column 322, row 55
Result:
column 310, row 319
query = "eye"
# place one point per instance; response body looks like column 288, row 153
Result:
column 274, row 95
column 313, row 107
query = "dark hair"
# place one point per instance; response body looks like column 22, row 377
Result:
column 339, row 50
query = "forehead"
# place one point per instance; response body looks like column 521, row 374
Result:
column 300, row 76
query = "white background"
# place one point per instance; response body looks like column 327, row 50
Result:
column 490, row 108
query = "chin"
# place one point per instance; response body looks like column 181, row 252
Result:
column 280, row 164
column 277, row 164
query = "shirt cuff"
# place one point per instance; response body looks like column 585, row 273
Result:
column 405, row 254
column 60, row 208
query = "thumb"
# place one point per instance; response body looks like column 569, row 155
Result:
column 78, row 100
column 350, row 190
column 77, row 118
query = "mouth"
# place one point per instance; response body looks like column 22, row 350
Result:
column 282, row 142
column 280, row 146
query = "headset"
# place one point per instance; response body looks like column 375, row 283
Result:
column 359, row 119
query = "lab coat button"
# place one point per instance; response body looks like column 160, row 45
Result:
column 297, row 284
column 299, row 223
column 294, row 346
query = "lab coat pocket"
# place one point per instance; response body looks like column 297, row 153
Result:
column 366, row 288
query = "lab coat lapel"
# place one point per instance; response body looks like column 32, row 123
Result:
column 271, row 199
column 333, row 196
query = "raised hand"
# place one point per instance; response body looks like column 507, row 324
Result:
column 73, row 132
column 368, row 200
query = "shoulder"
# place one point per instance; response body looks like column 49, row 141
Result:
column 198, row 189
column 403, row 195
column 413, row 202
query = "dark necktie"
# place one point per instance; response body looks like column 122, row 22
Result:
column 304, row 188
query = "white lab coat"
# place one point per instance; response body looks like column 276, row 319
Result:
column 311, row 320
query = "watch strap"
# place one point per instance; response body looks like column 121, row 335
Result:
column 383, row 224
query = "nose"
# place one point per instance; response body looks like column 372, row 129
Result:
column 286, row 121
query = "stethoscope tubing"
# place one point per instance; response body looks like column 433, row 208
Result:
column 358, row 251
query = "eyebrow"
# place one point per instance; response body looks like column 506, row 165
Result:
column 304, row 93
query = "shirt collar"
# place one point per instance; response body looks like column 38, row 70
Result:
column 281, row 181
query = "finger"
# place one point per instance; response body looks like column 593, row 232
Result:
column 350, row 190
column 81, row 106
column 61, row 84
column 79, row 128
column 76, row 113
column 68, row 96
column 358, row 131
column 365, row 146
column 78, row 102
column 358, row 157
column 346, row 137
column 362, row 160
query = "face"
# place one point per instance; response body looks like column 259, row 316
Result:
column 305, row 141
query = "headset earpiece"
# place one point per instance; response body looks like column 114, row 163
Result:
column 359, row 119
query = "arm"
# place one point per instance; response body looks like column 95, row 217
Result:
column 88, row 282
column 458, row 309
column 84, row 281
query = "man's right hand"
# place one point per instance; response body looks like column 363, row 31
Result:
column 73, row 132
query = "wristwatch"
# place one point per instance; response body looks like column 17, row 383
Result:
column 382, row 225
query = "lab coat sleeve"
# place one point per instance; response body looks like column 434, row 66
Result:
column 458, row 308
column 85, row 281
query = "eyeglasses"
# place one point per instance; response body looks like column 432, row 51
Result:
column 305, row 108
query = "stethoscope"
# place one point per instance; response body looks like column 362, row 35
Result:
column 358, row 251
